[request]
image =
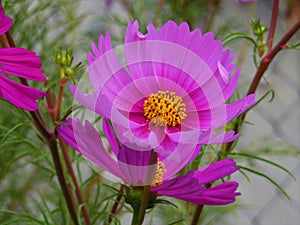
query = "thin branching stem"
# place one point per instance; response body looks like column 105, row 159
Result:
column 62, row 84
column 263, row 67
column 273, row 23
column 75, row 182
column 197, row 214
column 3, row 41
column 61, row 178
column 115, row 205
column 50, row 139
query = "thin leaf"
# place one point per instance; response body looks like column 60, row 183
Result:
column 264, row 160
column 268, row 178
column 238, row 35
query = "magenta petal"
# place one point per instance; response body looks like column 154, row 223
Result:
column 67, row 133
column 22, row 63
column 91, row 146
column 219, row 116
column 110, row 135
column 21, row 96
column 104, row 63
column 221, row 194
column 203, row 137
column 196, row 192
column 95, row 102
column 215, row 171
column 135, row 163
column 5, row 21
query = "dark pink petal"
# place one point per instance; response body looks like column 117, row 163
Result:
column 5, row 21
column 21, row 96
column 67, row 133
column 134, row 162
column 203, row 137
column 219, row 116
column 215, row 171
column 95, row 102
column 90, row 146
column 196, row 192
column 22, row 63
column 189, row 190
column 181, row 156
column 103, row 63
column 110, row 135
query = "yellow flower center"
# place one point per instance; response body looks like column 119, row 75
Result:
column 160, row 171
column 164, row 108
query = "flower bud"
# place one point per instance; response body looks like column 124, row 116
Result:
column 257, row 28
column 63, row 58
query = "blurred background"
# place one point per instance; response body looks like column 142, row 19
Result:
column 27, row 180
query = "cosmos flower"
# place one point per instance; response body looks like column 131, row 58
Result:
column 21, row 63
column 171, row 89
column 133, row 167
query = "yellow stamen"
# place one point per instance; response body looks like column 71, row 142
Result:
column 160, row 171
column 164, row 108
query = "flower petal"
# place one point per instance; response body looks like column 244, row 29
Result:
column 22, row 63
column 5, row 21
column 20, row 95
column 196, row 192
column 110, row 135
column 88, row 142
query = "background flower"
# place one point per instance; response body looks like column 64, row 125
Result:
column 5, row 21
column 21, row 63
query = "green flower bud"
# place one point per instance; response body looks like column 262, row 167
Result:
column 63, row 58
column 257, row 28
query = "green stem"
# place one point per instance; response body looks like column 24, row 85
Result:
column 135, row 216
column 197, row 214
column 199, row 209
column 143, row 206
column 146, row 193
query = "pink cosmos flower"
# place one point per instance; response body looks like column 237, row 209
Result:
column 171, row 87
column 21, row 63
column 133, row 166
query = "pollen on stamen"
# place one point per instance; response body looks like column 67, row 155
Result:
column 160, row 171
column 164, row 109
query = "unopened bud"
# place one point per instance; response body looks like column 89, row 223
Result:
column 63, row 58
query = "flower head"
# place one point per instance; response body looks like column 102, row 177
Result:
column 139, row 168
column 172, row 88
column 21, row 63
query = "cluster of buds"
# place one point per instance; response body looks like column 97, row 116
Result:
column 64, row 59
column 259, row 31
